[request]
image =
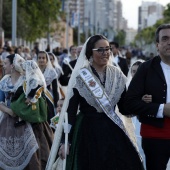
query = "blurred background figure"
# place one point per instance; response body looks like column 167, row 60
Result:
column 117, row 59
column 63, row 56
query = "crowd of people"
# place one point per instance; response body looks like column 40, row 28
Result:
column 59, row 110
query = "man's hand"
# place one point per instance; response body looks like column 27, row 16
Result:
column 166, row 111
column 147, row 98
column 61, row 152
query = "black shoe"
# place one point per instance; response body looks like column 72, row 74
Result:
column 19, row 123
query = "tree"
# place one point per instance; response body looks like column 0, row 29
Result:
column 120, row 37
column 166, row 14
column 33, row 17
column 147, row 35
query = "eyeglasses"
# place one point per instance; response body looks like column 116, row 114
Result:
column 101, row 51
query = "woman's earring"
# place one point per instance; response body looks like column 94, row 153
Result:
column 91, row 60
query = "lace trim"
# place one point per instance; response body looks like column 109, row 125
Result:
column 83, row 91
column 113, row 88
column 15, row 153
column 34, row 76
column 50, row 74
column 6, row 84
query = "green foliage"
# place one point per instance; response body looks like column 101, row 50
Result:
column 75, row 36
column 33, row 17
column 147, row 35
column 167, row 14
column 6, row 20
column 120, row 37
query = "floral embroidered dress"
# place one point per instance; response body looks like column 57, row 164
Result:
column 17, row 144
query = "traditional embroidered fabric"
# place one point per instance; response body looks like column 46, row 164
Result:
column 81, row 62
column 57, row 66
column 6, row 84
column 18, row 60
column 113, row 88
column 34, row 76
column 17, row 145
column 49, row 73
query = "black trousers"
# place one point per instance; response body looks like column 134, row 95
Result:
column 157, row 153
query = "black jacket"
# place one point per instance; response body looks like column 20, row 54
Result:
column 149, row 79
column 123, row 65
column 64, row 79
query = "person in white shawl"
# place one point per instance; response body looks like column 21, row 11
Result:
column 17, row 145
column 97, row 139
column 50, row 76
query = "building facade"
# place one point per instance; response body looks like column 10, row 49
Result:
column 149, row 13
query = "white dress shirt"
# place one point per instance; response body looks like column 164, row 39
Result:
column 166, row 71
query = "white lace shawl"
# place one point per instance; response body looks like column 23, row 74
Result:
column 129, row 75
column 6, row 84
column 17, row 62
column 34, row 76
column 114, row 86
column 50, row 74
column 81, row 62
column 57, row 66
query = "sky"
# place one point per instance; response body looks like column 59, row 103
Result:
column 130, row 10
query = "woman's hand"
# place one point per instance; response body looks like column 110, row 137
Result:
column 147, row 98
column 27, row 101
column 10, row 112
column 7, row 110
column 61, row 152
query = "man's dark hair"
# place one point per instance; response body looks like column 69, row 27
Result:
column 114, row 43
column 161, row 27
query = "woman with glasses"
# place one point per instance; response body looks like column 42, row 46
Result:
column 97, row 139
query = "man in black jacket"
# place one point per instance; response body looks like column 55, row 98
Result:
column 120, row 61
column 67, row 69
column 153, row 78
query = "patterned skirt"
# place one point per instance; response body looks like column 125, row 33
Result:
column 17, row 144
column 24, row 147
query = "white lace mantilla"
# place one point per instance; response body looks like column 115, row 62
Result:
column 7, row 86
column 50, row 74
column 114, row 86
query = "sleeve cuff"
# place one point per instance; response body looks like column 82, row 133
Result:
column 160, row 111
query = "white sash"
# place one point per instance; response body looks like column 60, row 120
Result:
column 100, row 96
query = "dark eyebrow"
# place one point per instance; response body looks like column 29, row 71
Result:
column 165, row 36
column 104, row 47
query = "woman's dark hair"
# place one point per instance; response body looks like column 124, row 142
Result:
column 115, row 44
column 91, row 44
column 11, row 58
column 51, row 54
column 72, row 46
